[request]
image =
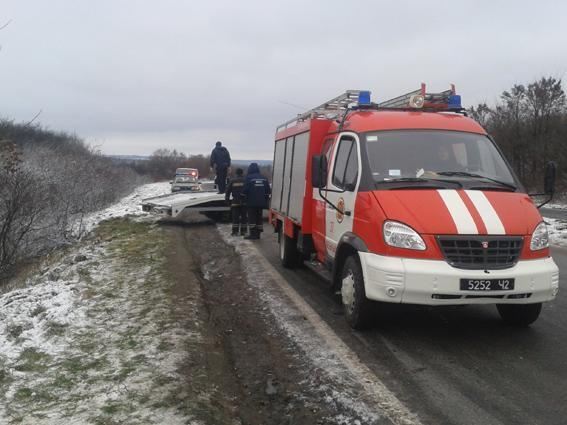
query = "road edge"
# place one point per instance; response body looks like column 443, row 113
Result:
column 375, row 389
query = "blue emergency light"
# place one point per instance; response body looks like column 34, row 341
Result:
column 364, row 97
column 454, row 102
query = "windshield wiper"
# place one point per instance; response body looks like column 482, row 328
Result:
column 419, row 180
column 476, row 176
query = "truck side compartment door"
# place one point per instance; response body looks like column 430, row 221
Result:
column 320, row 208
column 343, row 179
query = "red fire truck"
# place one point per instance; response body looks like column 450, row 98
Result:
column 409, row 201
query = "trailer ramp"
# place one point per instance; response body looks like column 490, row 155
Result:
column 211, row 204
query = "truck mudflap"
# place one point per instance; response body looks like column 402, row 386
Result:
column 435, row 282
column 211, row 204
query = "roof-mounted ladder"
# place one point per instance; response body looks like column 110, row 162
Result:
column 430, row 100
column 329, row 109
column 415, row 100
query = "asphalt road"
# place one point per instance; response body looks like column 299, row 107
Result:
column 456, row 365
column 554, row 213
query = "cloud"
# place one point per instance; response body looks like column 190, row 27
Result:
column 136, row 74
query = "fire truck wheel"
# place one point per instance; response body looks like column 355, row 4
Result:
column 355, row 304
column 289, row 255
column 519, row 314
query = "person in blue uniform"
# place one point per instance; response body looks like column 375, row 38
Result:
column 237, row 207
column 220, row 162
column 256, row 193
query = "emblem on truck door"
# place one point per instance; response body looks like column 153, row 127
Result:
column 340, row 208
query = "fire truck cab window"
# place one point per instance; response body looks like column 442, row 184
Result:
column 346, row 164
column 327, row 145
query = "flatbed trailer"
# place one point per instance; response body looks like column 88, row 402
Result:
column 210, row 204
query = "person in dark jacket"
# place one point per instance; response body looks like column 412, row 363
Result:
column 257, row 195
column 237, row 207
column 220, row 161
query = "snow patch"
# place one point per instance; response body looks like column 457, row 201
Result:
column 93, row 338
column 557, row 229
column 127, row 206
column 556, row 206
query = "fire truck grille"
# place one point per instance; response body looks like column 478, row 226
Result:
column 481, row 252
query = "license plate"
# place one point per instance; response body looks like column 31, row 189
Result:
column 487, row 284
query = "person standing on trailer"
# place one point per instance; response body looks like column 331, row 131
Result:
column 220, row 161
column 237, row 207
column 257, row 195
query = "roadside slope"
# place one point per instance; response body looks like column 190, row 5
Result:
column 146, row 323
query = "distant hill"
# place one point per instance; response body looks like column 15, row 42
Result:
column 247, row 162
column 235, row 162
column 128, row 158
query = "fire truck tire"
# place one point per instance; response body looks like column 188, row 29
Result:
column 355, row 304
column 289, row 255
column 519, row 314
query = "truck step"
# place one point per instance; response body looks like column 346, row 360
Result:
column 320, row 269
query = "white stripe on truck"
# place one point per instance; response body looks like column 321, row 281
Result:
column 459, row 213
column 487, row 212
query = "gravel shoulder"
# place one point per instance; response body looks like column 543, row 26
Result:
column 263, row 348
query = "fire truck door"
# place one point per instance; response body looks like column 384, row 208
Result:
column 343, row 180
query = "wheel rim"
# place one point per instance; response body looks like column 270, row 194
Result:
column 347, row 291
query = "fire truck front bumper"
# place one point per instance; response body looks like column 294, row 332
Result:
column 435, row 282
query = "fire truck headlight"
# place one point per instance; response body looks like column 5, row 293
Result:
column 402, row 236
column 540, row 237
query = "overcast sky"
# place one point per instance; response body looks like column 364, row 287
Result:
column 131, row 76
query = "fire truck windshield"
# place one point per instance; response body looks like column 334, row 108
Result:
column 431, row 154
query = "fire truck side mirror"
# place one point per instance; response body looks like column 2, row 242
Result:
column 319, row 171
column 549, row 178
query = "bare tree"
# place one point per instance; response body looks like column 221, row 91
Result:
column 529, row 124
column 21, row 206
column 49, row 182
column 163, row 163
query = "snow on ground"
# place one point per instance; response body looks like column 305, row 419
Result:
column 71, row 339
column 130, row 205
column 557, row 229
column 556, row 205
